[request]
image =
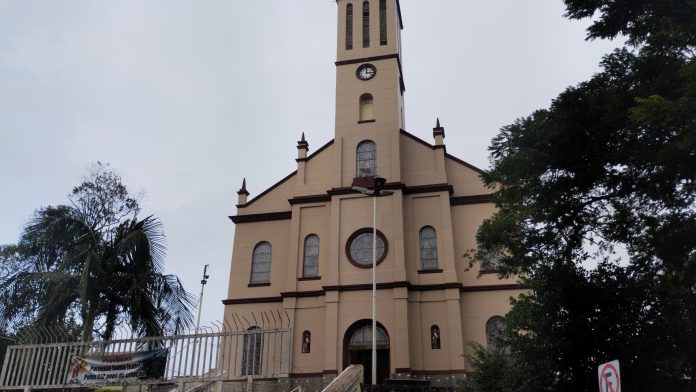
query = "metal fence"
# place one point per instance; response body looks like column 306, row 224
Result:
column 203, row 357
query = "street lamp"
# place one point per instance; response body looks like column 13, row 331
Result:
column 198, row 320
column 374, row 192
column 200, row 298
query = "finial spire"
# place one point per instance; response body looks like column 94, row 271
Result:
column 242, row 194
column 439, row 133
column 243, row 190
column 302, row 147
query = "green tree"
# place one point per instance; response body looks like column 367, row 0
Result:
column 93, row 262
column 597, row 211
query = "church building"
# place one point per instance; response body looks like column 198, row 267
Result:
column 303, row 247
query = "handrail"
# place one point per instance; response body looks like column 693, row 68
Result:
column 348, row 381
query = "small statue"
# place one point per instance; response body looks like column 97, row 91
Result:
column 435, row 337
column 306, row 341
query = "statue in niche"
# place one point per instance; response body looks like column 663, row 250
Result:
column 435, row 337
column 306, row 341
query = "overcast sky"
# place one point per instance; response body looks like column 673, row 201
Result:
column 185, row 98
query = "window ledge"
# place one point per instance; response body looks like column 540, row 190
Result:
column 430, row 271
column 309, row 278
column 259, row 284
column 366, row 121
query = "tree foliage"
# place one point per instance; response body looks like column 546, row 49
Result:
column 93, row 262
column 597, row 211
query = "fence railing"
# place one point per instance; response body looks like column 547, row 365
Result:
column 190, row 358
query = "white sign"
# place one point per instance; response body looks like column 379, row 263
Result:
column 116, row 368
column 609, row 377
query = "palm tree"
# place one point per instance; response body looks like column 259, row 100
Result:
column 95, row 262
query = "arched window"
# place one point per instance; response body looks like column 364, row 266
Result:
column 349, row 26
column 251, row 354
column 366, row 159
column 490, row 260
column 367, row 109
column 306, row 342
column 366, row 24
column 435, row 337
column 493, row 326
column 362, row 338
column 261, row 263
column 310, row 261
column 428, row 248
column 382, row 22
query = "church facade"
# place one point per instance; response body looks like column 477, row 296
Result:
column 303, row 247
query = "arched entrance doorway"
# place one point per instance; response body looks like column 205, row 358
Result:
column 357, row 349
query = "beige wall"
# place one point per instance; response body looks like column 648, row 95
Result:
column 384, row 131
column 477, row 308
column 422, row 166
column 314, row 176
column 246, row 237
column 465, row 180
column 466, row 221
column 309, row 317
column 275, row 200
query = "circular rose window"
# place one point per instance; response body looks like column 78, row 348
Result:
column 359, row 248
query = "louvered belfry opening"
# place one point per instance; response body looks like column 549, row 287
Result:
column 349, row 26
column 382, row 22
column 366, row 24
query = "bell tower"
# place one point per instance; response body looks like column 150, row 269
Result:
column 369, row 90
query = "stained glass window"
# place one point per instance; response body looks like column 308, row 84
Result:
column 261, row 263
column 310, row 264
column 428, row 248
column 490, row 260
column 361, row 248
column 493, row 326
column 251, row 354
column 363, row 337
column 366, row 159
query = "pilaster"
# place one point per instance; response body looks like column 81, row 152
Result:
column 401, row 342
column 454, row 327
column 332, row 341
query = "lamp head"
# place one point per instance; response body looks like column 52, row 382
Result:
column 379, row 182
column 363, row 190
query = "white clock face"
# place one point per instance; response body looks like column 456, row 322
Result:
column 366, row 72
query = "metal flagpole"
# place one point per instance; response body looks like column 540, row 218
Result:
column 376, row 191
column 374, row 286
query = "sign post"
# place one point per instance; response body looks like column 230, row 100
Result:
column 609, row 377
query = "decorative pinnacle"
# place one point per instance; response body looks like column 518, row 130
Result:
column 439, row 130
column 302, row 144
column 243, row 190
